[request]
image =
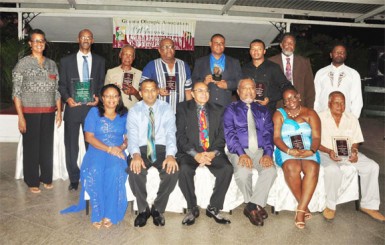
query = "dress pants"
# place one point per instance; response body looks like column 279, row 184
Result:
column 71, row 142
column 220, row 167
column 138, row 181
column 38, row 148
column 243, row 178
column 368, row 171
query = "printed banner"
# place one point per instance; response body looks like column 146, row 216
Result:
column 146, row 33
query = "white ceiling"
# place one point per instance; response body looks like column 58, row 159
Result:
column 239, row 21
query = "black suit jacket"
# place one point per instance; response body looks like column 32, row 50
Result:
column 232, row 74
column 187, row 134
column 68, row 71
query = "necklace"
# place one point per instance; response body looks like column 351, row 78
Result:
column 296, row 114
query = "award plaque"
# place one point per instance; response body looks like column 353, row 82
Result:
column 127, row 82
column 297, row 142
column 82, row 90
column 342, row 147
column 170, row 83
column 261, row 91
column 217, row 76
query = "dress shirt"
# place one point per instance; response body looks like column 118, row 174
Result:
column 235, row 127
column 284, row 62
column 349, row 127
column 343, row 79
column 165, row 127
column 80, row 60
column 272, row 76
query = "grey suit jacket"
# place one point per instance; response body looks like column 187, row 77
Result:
column 232, row 74
column 303, row 79
column 68, row 71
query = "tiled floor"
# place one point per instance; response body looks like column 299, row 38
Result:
column 27, row 218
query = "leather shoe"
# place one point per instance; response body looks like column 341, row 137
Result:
column 189, row 219
column 254, row 217
column 213, row 212
column 262, row 212
column 73, row 186
column 157, row 217
column 142, row 218
column 374, row 214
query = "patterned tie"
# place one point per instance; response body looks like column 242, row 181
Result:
column 252, row 131
column 288, row 70
column 203, row 129
column 86, row 73
column 151, row 152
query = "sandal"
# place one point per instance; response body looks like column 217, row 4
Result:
column 97, row 225
column 48, row 186
column 299, row 224
column 107, row 223
column 308, row 215
column 34, row 190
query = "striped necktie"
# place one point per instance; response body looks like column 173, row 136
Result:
column 151, row 151
column 86, row 73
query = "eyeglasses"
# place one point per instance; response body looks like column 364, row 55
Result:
column 38, row 41
column 201, row 90
column 84, row 38
column 111, row 96
column 167, row 47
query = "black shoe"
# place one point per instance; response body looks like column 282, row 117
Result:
column 73, row 186
column 142, row 218
column 253, row 216
column 189, row 219
column 213, row 212
column 262, row 212
column 157, row 217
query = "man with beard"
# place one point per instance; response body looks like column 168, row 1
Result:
column 338, row 77
column 297, row 70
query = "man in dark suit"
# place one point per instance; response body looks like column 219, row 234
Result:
column 80, row 66
column 297, row 70
column 201, row 142
column 218, row 71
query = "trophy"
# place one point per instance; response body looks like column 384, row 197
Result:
column 127, row 82
column 260, row 90
column 217, row 76
column 297, row 142
column 170, row 83
column 342, row 147
column 81, row 90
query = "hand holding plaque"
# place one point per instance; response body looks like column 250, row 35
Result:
column 82, row 90
column 217, row 76
column 260, row 90
column 127, row 82
column 171, row 83
column 342, row 147
column 297, row 142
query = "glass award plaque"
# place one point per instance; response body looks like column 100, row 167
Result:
column 297, row 142
column 342, row 147
column 82, row 90
column 217, row 76
column 260, row 90
column 127, row 82
column 170, row 83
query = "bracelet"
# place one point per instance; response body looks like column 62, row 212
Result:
column 109, row 149
column 313, row 151
column 288, row 151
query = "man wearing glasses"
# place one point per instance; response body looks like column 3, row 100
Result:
column 172, row 75
column 81, row 66
column 201, row 142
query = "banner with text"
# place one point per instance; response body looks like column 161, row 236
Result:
column 146, row 33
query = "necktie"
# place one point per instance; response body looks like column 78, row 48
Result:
column 86, row 73
column 288, row 70
column 252, row 131
column 151, row 151
column 203, row 130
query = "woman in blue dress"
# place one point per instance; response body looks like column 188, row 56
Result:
column 103, row 174
column 297, row 136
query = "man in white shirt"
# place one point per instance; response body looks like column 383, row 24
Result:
column 338, row 77
column 344, row 125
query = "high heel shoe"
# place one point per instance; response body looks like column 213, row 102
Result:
column 107, row 223
column 299, row 224
column 308, row 215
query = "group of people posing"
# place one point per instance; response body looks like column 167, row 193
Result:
column 176, row 121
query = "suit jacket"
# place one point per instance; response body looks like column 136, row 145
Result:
column 303, row 79
column 68, row 71
column 187, row 134
column 232, row 74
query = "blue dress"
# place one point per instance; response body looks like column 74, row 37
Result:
column 291, row 128
column 103, row 175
